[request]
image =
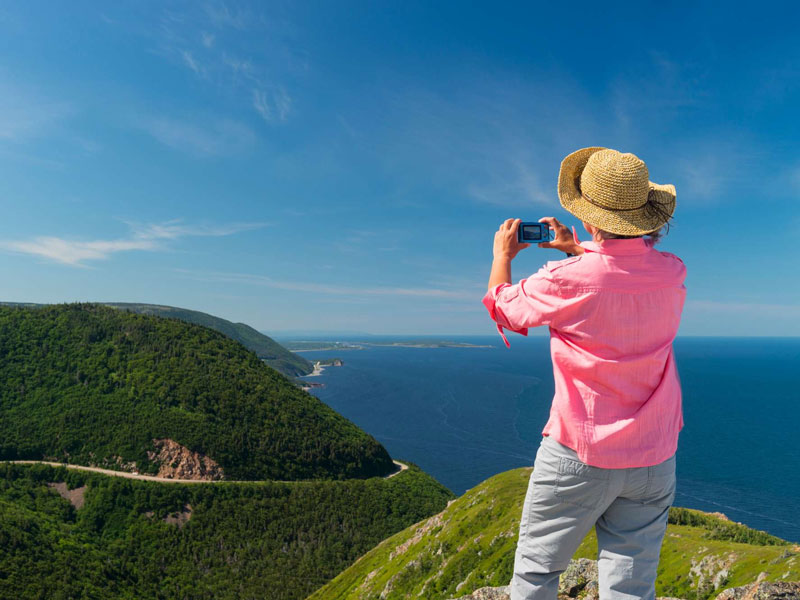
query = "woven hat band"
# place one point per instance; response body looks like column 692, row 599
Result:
column 590, row 201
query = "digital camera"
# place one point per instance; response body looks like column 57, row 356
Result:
column 532, row 233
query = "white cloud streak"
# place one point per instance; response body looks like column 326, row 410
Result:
column 498, row 142
column 207, row 43
column 272, row 106
column 207, row 39
column 25, row 114
column 317, row 288
column 221, row 15
column 147, row 237
column 214, row 137
column 192, row 63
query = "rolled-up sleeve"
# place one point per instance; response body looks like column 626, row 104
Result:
column 530, row 303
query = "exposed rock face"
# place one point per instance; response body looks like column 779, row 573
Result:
column 179, row 518
column 502, row 593
column 178, row 462
column 579, row 580
column 711, row 572
column 74, row 496
column 434, row 521
column 488, row 593
column 766, row 590
column 176, row 518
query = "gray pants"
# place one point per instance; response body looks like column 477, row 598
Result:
column 565, row 498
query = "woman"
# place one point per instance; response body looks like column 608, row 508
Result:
column 607, row 455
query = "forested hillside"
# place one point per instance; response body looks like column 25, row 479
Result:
column 93, row 385
column 134, row 539
column 267, row 349
column 275, row 355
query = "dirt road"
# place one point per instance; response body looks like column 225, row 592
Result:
column 126, row 475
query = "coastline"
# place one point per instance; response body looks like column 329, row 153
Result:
column 318, row 369
column 451, row 411
column 361, row 345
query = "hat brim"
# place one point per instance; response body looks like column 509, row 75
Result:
column 651, row 217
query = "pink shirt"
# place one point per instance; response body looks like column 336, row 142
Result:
column 613, row 313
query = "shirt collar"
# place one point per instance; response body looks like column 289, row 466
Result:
column 619, row 247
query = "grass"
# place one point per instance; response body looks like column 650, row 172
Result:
column 471, row 544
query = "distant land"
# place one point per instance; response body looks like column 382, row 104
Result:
column 267, row 349
column 319, row 345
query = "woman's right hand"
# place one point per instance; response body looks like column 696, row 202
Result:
column 564, row 240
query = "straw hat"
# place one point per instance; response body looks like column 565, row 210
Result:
column 613, row 191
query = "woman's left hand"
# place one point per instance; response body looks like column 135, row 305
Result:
column 505, row 240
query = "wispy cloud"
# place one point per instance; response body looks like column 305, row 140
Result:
column 207, row 39
column 192, row 63
column 148, row 237
column 208, row 42
column 208, row 137
column 25, row 113
column 520, row 186
column 714, row 169
column 272, row 106
column 347, row 290
column 221, row 15
column 498, row 142
column 657, row 85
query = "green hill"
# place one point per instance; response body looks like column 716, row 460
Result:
column 267, row 349
column 93, row 385
column 135, row 539
column 471, row 545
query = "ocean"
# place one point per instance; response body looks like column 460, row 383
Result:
column 465, row 414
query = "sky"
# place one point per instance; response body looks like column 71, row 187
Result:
column 343, row 166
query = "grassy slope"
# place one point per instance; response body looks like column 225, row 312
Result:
column 472, row 543
column 255, row 540
column 86, row 383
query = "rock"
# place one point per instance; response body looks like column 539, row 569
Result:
column 179, row 518
column 488, row 593
column 579, row 580
column 720, row 515
column 711, row 572
column 765, row 590
column 75, row 496
column 178, row 462
column 176, row 518
column 419, row 533
column 576, row 577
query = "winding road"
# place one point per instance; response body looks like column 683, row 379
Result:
column 126, row 475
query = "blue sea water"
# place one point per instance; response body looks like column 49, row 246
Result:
column 465, row 414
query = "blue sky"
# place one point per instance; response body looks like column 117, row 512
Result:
column 343, row 166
